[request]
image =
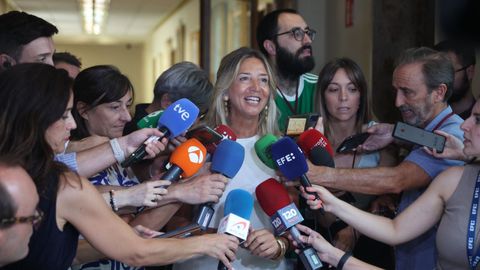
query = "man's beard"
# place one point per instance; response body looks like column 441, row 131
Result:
column 291, row 66
column 462, row 91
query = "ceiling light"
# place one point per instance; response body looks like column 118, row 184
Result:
column 94, row 14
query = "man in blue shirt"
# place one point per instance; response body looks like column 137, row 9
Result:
column 423, row 82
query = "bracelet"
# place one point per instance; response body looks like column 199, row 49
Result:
column 117, row 150
column 282, row 249
column 113, row 203
column 343, row 260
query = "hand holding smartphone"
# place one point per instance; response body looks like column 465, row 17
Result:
column 419, row 136
column 351, row 143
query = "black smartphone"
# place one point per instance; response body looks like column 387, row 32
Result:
column 419, row 136
column 351, row 143
column 205, row 134
column 296, row 124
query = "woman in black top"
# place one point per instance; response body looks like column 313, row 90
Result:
column 35, row 116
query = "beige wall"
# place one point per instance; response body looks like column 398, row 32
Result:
column 127, row 57
column 158, row 48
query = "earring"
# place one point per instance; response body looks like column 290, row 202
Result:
column 265, row 111
column 225, row 105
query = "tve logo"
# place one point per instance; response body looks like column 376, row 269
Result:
column 183, row 113
column 285, row 159
column 195, row 154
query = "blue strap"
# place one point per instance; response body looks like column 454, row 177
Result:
column 472, row 224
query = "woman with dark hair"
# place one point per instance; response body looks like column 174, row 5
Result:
column 35, row 114
column 342, row 100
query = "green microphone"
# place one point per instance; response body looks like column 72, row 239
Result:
column 262, row 148
column 150, row 121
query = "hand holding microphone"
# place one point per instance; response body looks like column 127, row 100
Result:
column 177, row 118
column 274, row 199
column 290, row 160
column 227, row 160
column 237, row 210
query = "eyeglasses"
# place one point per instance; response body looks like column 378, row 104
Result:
column 462, row 68
column 35, row 219
column 299, row 33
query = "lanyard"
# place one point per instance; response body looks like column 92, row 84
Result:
column 293, row 110
column 443, row 120
column 472, row 224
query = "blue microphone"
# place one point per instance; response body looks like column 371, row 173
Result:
column 236, row 221
column 176, row 118
column 291, row 161
column 227, row 160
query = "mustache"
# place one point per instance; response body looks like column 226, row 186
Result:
column 403, row 108
column 305, row 47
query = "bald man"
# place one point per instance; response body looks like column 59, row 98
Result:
column 18, row 214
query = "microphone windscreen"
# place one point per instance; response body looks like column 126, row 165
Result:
column 321, row 157
column 262, row 149
column 272, row 196
column 228, row 158
column 238, row 202
column 150, row 121
column 189, row 156
column 226, row 132
column 311, row 138
column 289, row 158
column 178, row 117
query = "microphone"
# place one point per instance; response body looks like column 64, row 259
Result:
column 262, row 149
column 321, row 157
column 236, row 221
column 227, row 160
column 226, row 132
column 284, row 215
column 186, row 160
column 150, row 121
column 311, row 139
column 291, row 161
column 176, row 118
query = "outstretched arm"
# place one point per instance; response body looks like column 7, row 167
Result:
column 424, row 213
column 83, row 207
column 381, row 180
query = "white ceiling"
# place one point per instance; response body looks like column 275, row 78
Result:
column 127, row 20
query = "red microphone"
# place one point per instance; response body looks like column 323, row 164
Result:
column 226, row 132
column 284, row 215
column 313, row 138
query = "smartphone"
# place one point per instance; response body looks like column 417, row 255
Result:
column 351, row 143
column 296, row 124
column 419, row 136
column 205, row 134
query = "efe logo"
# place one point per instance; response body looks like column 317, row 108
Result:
column 287, row 158
column 195, row 154
column 183, row 113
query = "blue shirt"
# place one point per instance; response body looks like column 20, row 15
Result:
column 69, row 159
column 419, row 253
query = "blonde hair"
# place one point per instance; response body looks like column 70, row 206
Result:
column 227, row 72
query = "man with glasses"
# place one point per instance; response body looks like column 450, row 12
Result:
column 462, row 55
column 18, row 211
column 285, row 39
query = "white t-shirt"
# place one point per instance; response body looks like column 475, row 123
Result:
column 252, row 173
